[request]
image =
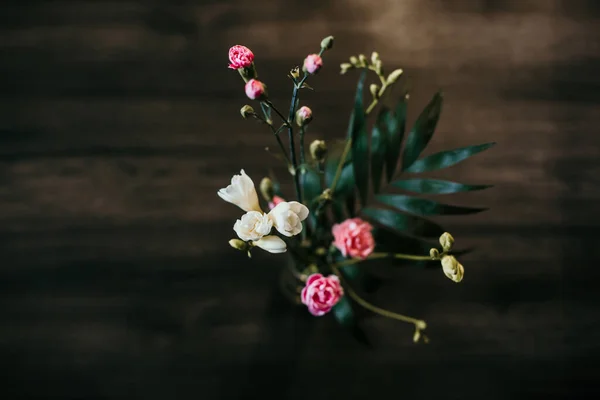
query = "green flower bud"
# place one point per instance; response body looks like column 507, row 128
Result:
column 434, row 254
column 447, row 241
column 247, row 111
column 345, row 67
column 374, row 89
column 374, row 57
column 238, row 244
column 318, row 150
column 362, row 59
column 267, row 190
column 452, row 268
column 353, row 61
column 393, row 77
column 327, row 43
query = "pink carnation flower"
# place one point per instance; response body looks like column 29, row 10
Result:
column 240, row 57
column 321, row 293
column 276, row 200
column 255, row 89
column 313, row 63
column 353, row 238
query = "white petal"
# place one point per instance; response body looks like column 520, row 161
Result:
column 272, row 244
column 300, row 209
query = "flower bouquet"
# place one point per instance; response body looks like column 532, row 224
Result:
column 354, row 201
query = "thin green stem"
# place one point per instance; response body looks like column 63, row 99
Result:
column 375, row 256
column 302, row 153
column 419, row 324
column 285, row 121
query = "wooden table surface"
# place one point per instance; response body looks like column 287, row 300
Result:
column 119, row 122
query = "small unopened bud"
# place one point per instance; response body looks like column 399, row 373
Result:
column 452, row 268
column 374, row 89
column 255, row 89
column 447, row 241
column 353, row 60
column 393, row 77
column 417, row 336
column 267, row 189
column 362, row 60
column 421, row 325
column 379, row 68
column 247, row 111
column 238, row 244
column 374, row 57
column 345, row 67
column 303, row 116
column 434, row 254
column 312, row 64
column 327, row 43
column 295, row 73
column 318, row 150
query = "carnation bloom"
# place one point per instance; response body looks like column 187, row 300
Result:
column 313, row 63
column 353, row 238
column 255, row 89
column 321, row 293
column 240, row 57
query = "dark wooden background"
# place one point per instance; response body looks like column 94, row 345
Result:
column 119, row 122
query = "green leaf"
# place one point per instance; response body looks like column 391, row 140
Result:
column 424, row 207
column 346, row 184
column 338, row 211
column 445, row 159
column 422, row 131
column 434, row 186
column 379, row 144
column 344, row 314
column 390, row 241
column 310, row 180
column 360, row 142
column 409, row 224
column 396, row 127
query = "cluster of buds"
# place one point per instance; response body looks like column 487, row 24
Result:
column 241, row 59
column 450, row 265
column 374, row 64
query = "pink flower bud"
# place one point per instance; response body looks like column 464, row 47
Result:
column 353, row 238
column 276, row 200
column 303, row 116
column 312, row 63
column 255, row 89
column 240, row 57
column 321, row 293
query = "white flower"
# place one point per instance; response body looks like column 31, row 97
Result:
column 288, row 216
column 241, row 192
column 253, row 226
column 272, row 244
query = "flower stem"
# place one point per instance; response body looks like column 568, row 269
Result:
column 419, row 324
column 375, row 256
column 291, row 137
column 302, row 153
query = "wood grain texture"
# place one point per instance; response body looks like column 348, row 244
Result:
column 119, row 122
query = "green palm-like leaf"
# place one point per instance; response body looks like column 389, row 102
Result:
column 360, row 142
column 396, row 128
column 379, row 146
column 434, row 186
column 409, row 224
column 445, row 159
column 310, row 180
column 422, row 131
column 424, row 207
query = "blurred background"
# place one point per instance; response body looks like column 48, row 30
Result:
column 119, row 121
